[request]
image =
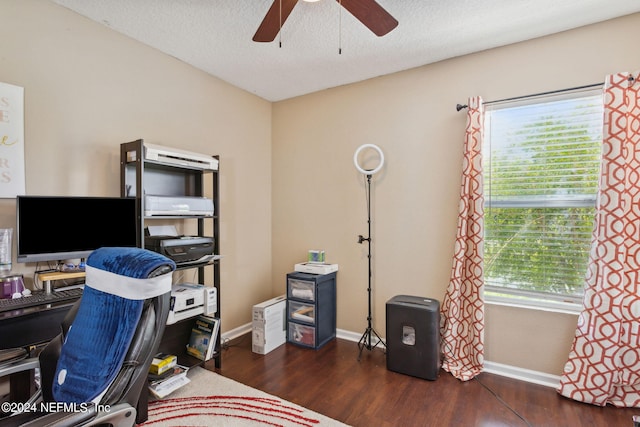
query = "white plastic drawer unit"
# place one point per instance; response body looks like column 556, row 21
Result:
column 302, row 312
column 301, row 290
column 302, row 334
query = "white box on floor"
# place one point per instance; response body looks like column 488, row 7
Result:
column 269, row 325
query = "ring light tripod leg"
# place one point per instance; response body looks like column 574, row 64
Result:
column 365, row 340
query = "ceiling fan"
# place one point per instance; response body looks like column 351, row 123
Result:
column 370, row 13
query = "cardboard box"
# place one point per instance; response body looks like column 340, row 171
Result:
column 162, row 362
column 269, row 325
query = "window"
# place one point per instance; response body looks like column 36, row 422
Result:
column 541, row 168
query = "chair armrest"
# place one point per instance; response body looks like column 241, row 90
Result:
column 19, row 366
column 50, row 419
column 120, row 415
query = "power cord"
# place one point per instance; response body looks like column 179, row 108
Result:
column 505, row 404
column 498, row 398
column 226, row 342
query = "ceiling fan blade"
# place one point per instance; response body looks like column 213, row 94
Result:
column 274, row 20
column 371, row 14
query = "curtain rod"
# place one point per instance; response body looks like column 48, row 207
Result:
column 515, row 98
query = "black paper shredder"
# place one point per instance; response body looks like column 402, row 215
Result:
column 413, row 336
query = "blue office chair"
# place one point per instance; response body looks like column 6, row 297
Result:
column 94, row 371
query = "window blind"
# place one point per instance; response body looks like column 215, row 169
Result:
column 542, row 160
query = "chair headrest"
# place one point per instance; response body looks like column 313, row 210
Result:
column 125, row 272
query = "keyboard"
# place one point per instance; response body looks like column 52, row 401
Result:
column 40, row 298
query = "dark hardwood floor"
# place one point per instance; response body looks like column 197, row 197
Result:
column 333, row 382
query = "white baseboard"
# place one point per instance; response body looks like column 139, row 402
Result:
column 522, row 374
column 237, row 332
column 246, row 328
column 349, row 335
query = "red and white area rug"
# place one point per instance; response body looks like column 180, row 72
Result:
column 213, row 400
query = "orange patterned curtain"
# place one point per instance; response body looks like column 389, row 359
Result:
column 604, row 362
column 462, row 320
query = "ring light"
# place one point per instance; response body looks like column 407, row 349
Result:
column 366, row 171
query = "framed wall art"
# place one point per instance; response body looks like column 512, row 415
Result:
column 12, row 168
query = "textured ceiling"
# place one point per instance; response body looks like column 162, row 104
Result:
column 215, row 35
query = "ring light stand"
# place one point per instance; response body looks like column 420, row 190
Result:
column 365, row 340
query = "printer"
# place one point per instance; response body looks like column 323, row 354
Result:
column 180, row 249
column 177, row 205
column 190, row 299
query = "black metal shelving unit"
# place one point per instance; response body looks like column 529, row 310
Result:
column 139, row 177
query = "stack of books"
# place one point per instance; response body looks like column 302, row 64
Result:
column 204, row 335
column 169, row 381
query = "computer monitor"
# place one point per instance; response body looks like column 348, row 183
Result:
column 58, row 228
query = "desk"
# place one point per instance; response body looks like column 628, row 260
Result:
column 38, row 324
column 33, row 325
column 27, row 327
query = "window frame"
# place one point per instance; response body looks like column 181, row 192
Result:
column 495, row 294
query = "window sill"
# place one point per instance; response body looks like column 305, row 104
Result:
column 531, row 304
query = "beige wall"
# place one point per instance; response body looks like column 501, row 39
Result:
column 88, row 89
column 318, row 196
